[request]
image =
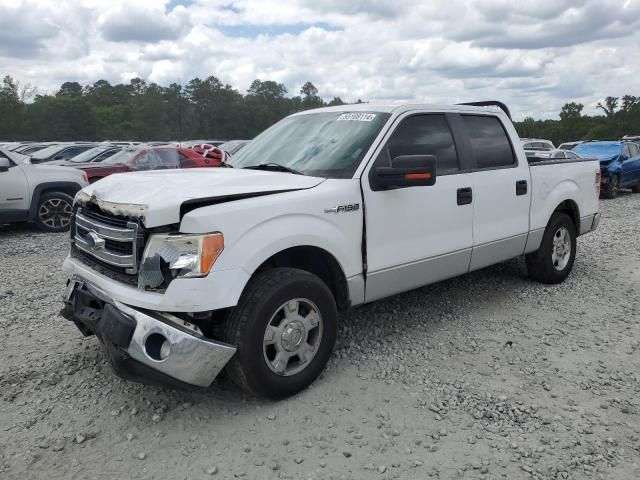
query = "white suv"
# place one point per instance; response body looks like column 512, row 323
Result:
column 37, row 193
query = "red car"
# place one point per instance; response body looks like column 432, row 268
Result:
column 149, row 158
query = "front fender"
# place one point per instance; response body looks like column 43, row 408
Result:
column 614, row 168
column 274, row 235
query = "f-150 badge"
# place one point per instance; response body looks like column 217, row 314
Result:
column 351, row 207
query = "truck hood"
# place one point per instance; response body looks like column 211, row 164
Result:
column 604, row 161
column 162, row 197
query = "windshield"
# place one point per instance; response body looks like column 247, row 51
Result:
column 233, row 146
column 328, row 144
column 89, row 155
column 47, row 152
column 122, row 156
column 602, row 151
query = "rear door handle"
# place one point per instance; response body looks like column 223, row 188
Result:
column 465, row 196
column 521, row 187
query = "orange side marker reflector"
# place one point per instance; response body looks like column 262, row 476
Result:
column 417, row 176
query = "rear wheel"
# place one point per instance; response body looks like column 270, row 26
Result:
column 54, row 212
column 284, row 328
column 553, row 261
column 636, row 188
column 611, row 191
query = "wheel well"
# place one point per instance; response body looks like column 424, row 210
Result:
column 317, row 261
column 69, row 190
column 570, row 208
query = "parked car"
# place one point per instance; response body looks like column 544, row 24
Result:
column 62, row 151
column 29, row 148
column 537, row 148
column 569, row 145
column 559, row 153
column 93, row 155
column 40, row 194
column 147, row 158
column 233, row 146
column 246, row 267
column 191, row 143
column 619, row 164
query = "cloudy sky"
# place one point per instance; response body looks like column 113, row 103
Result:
column 534, row 55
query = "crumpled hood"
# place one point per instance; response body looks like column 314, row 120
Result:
column 158, row 196
column 607, row 160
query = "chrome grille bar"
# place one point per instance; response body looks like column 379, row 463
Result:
column 90, row 235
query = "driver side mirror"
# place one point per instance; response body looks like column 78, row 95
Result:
column 4, row 164
column 405, row 171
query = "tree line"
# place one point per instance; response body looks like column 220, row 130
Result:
column 620, row 117
column 210, row 109
column 201, row 109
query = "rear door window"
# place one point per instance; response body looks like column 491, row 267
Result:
column 489, row 142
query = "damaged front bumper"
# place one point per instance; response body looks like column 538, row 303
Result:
column 145, row 346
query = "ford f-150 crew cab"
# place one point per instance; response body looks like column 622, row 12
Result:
column 183, row 273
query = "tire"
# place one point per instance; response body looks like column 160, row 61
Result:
column 636, row 188
column 274, row 317
column 547, row 265
column 613, row 186
column 54, row 212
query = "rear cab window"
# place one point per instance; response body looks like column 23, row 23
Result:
column 489, row 142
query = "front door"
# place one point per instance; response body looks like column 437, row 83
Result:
column 417, row 235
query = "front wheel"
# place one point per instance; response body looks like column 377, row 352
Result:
column 54, row 212
column 612, row 188
column 284, row 328
column 636, row 188
column 553, row 261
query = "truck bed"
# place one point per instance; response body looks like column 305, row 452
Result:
column 556, row 180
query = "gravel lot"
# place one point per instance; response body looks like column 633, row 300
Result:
column 485, row 376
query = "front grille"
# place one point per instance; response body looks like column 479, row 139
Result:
column 111, row 242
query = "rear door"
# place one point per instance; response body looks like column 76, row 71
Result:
column 501, row 191
column 418, row 235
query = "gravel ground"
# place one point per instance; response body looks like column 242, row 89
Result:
column 485, row 376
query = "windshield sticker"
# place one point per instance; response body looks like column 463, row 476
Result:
column 357, row 117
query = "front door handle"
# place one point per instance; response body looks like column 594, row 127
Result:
column 521, row 187
column 465, row 196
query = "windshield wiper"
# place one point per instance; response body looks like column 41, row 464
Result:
column 276, row 167
column 225, row 164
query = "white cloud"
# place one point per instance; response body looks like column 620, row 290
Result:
column 534, row 56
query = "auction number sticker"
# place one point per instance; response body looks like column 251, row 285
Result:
column 357, row 117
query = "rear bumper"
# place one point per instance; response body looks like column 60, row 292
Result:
column 589, row 223
column 134, row 340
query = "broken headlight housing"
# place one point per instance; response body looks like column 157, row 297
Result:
column 170, row 256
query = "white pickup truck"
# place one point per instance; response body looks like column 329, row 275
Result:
column 183, row 273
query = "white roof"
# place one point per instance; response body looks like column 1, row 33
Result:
column 400, row 108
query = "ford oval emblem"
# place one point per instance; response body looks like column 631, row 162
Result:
column 94, row 241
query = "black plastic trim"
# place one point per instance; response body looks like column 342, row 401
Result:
column 13, row 215
column 489, row 103
column 196, row 203
column 521, row 187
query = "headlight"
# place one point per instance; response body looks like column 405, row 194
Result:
column 81, row 197
column 178, row 256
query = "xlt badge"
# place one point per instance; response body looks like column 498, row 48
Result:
column 350, row 207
